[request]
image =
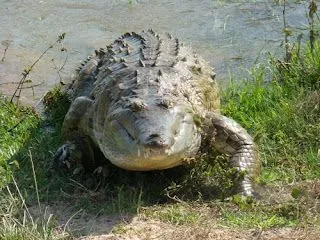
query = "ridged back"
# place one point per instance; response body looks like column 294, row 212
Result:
column 153, row 68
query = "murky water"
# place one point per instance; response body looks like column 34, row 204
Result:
column 231, row 35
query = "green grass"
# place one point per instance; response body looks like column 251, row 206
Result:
column 18, row 223
column 282, row 114
column 176, row 214
column 257, row 219
column 264, row 214
column 25, row 153
column 16, row 125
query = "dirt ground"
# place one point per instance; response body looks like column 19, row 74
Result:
column 151, row 229
column 141, row 228
column 85, row 225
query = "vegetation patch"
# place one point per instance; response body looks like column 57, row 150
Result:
column 283, row 115
column 176, row 214
column 16, row 125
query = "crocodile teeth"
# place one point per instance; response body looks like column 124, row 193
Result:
column 139, row 152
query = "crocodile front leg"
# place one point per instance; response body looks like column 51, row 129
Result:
column 77, row 110
column 78, row 150
column 232, row 139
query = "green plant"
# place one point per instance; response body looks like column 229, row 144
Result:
column 177, row 214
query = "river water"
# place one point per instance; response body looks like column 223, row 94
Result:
column 230, row 35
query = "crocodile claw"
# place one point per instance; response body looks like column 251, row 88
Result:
column 63, row 156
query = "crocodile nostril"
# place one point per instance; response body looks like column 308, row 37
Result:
column 155, row 141
column 155, row 135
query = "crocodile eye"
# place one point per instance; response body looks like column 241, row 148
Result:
column 137, row 105
column 166, row 103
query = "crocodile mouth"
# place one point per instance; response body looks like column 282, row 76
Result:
column 149, row 150
column 146, row 152
column 153, row 143
column 146, row 159
column 152, row 151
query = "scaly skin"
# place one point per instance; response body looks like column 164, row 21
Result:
column 232, row 139
column 137, row 103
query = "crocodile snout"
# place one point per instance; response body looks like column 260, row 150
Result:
column 156, row 141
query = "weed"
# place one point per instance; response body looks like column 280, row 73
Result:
column 28, row 70
column 15, row 131
column 56, row 103
column 177, row 214
column 17, row 222
column 119, row 229
column 256, row 219
column 283, row 116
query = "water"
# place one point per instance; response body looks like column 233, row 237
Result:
column 230, row 35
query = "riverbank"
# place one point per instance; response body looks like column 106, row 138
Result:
column 282, row 112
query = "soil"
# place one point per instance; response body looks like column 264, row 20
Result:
column 85, row 225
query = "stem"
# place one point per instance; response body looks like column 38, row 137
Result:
column 25, row 73
column 286, row 34
column 28, row 70
column 4, row 54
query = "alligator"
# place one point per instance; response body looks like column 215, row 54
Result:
column 147, row 102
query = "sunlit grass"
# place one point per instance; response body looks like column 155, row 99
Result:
column 176, row 214
column 16, row 124
column 283, row 115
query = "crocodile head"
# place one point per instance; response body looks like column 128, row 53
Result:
column 150, row 136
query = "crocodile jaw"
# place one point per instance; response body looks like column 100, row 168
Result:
column 151, row 141
column 147, row 159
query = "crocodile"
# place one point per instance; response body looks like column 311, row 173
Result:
column 147, row 102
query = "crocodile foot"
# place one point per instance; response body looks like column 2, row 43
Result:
column 76, row 156
column 69, row 157
column 62, row 157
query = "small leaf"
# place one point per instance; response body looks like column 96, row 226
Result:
column 77, row 170
column 15, row 163
column 296, row 193
column 287, row 31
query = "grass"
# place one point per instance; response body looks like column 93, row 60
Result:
column 24, row 139
column 284, row 117
column 258, row 220
column 175, row 214
column 266, row 214
column 18, row 223
column 15, row 131
column 282, row 114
